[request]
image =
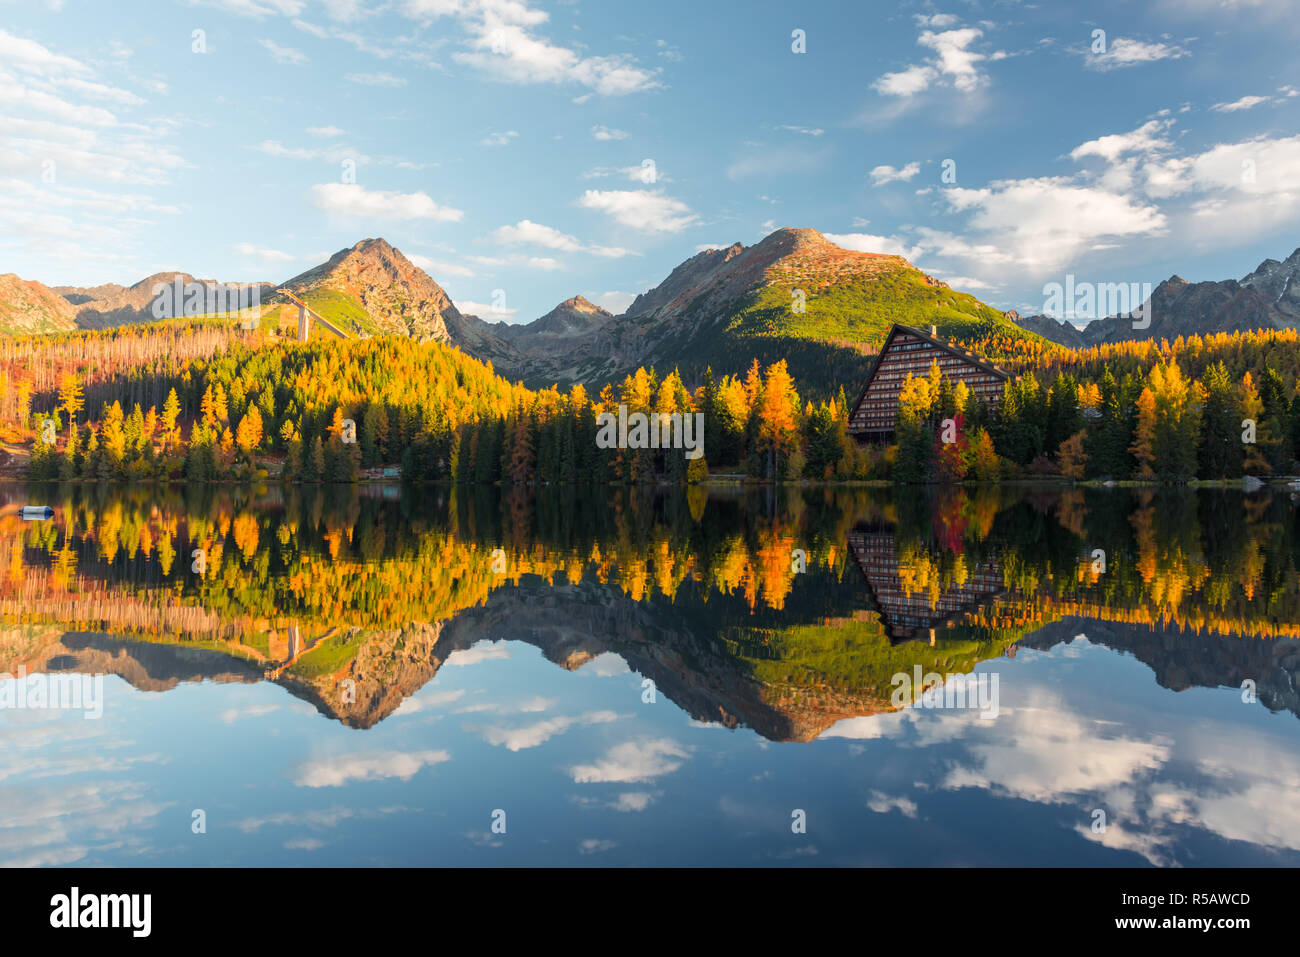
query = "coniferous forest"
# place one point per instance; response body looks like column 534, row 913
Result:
column 203, row 402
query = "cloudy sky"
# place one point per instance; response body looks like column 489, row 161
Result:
column 524, row 151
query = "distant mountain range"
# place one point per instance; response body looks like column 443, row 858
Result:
column 1268, row 298
column 793, row 295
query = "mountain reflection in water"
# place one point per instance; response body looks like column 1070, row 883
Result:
column 782, row 615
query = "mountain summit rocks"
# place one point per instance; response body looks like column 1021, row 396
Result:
column 378, row 290
column 1268, row 298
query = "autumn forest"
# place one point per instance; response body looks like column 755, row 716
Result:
column 202, row 401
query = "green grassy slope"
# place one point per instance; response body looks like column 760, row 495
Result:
column 835, row 338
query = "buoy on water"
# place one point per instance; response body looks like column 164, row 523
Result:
column 37, row 513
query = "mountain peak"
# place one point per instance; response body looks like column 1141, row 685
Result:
column 796, row 236
column 580, row 304
column 378, row 245
column 372, row 287
column 577, row 316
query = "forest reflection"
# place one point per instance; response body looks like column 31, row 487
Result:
column 783, row 611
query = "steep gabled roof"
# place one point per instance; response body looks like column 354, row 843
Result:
column 956, row 350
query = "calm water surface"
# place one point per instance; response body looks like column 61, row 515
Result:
column 438, row 676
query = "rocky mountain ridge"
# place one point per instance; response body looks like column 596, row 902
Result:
column 1267, row 298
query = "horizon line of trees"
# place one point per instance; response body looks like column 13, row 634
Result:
column 246, row 411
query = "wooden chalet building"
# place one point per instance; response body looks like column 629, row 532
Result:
column 909, row 351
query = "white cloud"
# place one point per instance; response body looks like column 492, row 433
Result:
column 423, row 701
column 59, row 145
column 867, row 243
column 343, row 10
column 436, row 269
column 406, row 48
column 882, row 803
column 101, row 91
column 955, row 59
column 1124, row 51
column 1049, row 221
column 50, row 106
column 28, row 55
column 633, row 761
column 647, row 210
column 231, row 715
column 963, row 283
column 605, row 133
column 526, row 231
column 887, row 174
column 366, row 766
column 283, row 54
column 532, row 735
column 1145, row 190
column 325, row 131
column 1145, row 139
column 611, row 252
column 937, row 21
column 304, row 844
column 255, row 8
column 1232, row 191
column 483, row 650
column 264, row 254
column 805, row 130
column 646, row 173
column 355, row 200
column 613, row 301
column 500, row 41
column 954, row 62
column 1245, row 103
column 915, row 79
column 633, row 801
column 490, row 312
column 332, row 154
column 499, row 139
column 375, row 79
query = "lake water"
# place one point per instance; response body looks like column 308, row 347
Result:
column 459, row 676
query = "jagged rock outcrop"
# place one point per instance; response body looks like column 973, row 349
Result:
column 395, row 295
column 1060, row 332
column 1268, row 298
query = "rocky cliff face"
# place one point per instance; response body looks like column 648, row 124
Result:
column 397, row 296
column 1268, row 298
column 1280, row 282
column 715, row 279
column 1061, row 332
column 684, row 283
column 27, row 307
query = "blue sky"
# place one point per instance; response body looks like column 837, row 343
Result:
column 503, row 144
